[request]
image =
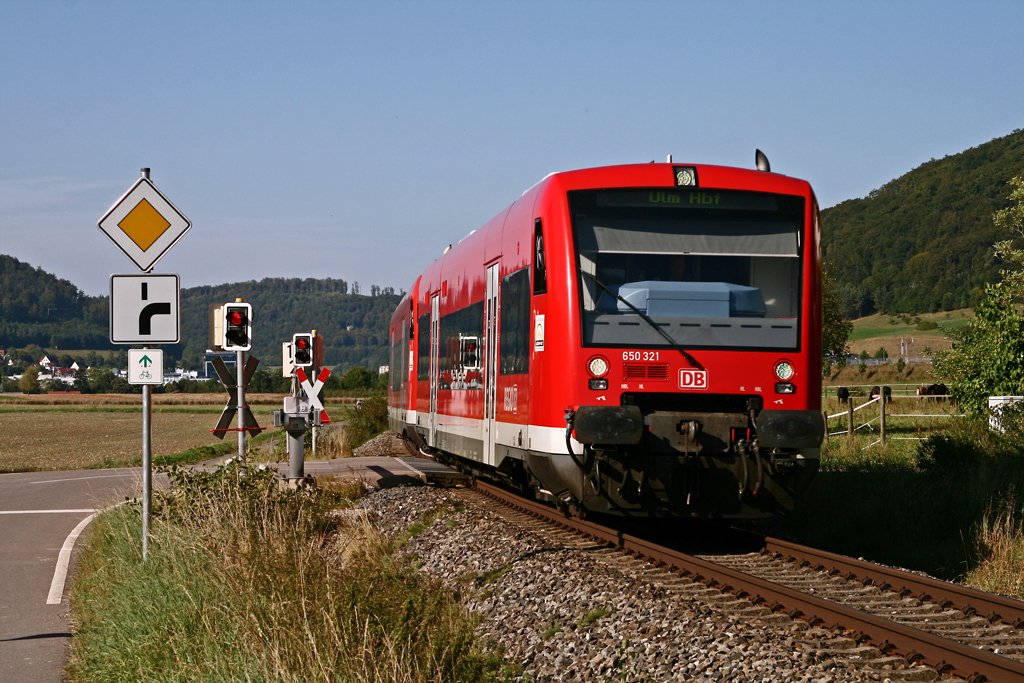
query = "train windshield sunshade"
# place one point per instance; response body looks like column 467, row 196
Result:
column 666, row 236
column 714, row 269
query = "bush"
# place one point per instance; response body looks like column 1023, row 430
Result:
column 364, row 420
column 987, row 357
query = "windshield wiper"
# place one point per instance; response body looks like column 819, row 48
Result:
column 647, row 319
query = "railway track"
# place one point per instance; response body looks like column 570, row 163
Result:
column 953, row 630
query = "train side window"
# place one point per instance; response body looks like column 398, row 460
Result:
column 423, row 351
column 540, row 273
column 459, row 355
column 515, row 323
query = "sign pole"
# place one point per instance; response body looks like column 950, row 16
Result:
column 240, row 387
column 145, row 225
column 147, row 465
column 147, row 450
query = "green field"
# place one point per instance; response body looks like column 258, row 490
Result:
column 885, row 331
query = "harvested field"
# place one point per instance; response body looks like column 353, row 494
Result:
column 69, row 399
column 66, row 432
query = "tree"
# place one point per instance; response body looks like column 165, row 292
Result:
column 82, row 381
column 101, row 380
column 357, row 377
column 835, row 327
column 29, row 382
column 987, row 357
column 1011, row 219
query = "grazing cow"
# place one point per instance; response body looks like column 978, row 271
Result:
column 937, row 391
column 885, row 392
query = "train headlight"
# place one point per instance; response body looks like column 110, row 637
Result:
column 597, row 366
column 686, row 176
column 784, row 371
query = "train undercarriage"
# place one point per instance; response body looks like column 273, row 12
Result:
column 637, row 461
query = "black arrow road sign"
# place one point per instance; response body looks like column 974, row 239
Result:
column 231, row 386
column 145, row 309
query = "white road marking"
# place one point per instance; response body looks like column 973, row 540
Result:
column 63, row 561
column 61, row 481
column 44, row 512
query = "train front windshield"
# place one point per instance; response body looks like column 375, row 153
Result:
column 710, row 268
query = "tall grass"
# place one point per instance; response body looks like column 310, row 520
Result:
column 1000, row 542
column 248, row 581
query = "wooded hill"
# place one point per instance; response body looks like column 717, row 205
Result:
column 354, row 326
column 38, row 308
column 923, row 242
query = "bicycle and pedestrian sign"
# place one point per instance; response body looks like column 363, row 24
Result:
column 145, row 366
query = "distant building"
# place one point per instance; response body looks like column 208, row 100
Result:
column 66, row 375
column 179, row 374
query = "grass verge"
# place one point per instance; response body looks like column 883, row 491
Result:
column 249, row 581
column 940, row 506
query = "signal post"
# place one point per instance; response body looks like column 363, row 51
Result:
column 231, row 330
column 302, row 410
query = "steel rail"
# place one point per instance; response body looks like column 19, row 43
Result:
column 991, row 606
column 944, row 655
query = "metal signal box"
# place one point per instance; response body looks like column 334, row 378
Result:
column 216, row 326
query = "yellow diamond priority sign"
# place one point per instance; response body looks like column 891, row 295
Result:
column 144, row 224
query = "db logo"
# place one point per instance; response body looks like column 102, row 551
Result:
column 693, row 379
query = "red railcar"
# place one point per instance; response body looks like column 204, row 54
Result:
column 634, row 340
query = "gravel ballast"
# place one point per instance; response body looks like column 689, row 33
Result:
column 563, row 610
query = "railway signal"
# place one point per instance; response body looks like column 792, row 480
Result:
column 303, row 410
column 302, row 349
column 237, row 327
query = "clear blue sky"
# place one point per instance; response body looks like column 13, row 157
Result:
column 356, row 140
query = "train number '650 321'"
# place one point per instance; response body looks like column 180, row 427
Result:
column 641, row 355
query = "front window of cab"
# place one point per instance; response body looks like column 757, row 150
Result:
column 710, row 268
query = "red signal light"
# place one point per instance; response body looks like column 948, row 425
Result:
column 302, row 350
column 237, row 333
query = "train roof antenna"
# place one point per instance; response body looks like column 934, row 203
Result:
column 762, row 161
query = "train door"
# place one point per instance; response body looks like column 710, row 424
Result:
column 435, row 344
column 490, row 362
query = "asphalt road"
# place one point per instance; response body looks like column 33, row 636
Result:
column 40, row 513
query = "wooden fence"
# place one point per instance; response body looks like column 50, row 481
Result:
column 889, row 403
